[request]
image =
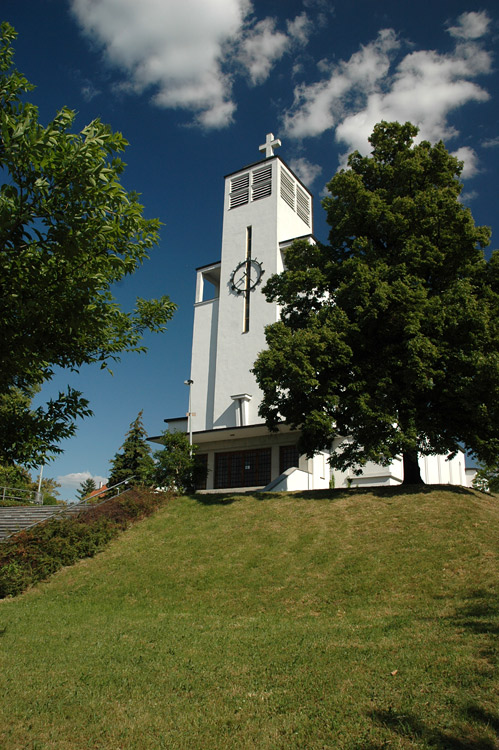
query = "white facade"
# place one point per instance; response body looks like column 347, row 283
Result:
column 434, row 470
column 229, row 328
column 265, row 208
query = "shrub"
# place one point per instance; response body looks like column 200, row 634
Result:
column 14, row 578
column 177, row 467
column 34, row 554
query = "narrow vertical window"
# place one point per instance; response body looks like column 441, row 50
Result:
column 248, row 281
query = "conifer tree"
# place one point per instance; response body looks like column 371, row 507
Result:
column 135, row 458
column 86, row 488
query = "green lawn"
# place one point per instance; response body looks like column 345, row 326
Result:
column 344, row 620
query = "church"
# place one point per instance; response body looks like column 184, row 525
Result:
column 266, row 207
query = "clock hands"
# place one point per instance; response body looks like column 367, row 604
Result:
column 246, row 276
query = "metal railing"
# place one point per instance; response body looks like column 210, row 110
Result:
column 89, row 500
column 14, row 493
column 60, row 512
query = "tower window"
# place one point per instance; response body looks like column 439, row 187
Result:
column 303, row 205
column 287, row 189
column 296, row 198
column 208, row 283
column 261, row 183
column 239, row 190
column 261, row 186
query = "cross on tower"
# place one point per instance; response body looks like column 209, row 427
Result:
column 270, row 144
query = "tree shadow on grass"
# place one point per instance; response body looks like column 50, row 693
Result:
column 381, row 492
column 410, row 727
column 218, row 498
column 478, row 714
column 479, row 613
column 227, row 498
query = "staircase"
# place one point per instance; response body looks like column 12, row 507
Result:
column 20, row 517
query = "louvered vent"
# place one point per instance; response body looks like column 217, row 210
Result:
column 261, row 183
column 239, row 190
column 303, row 205
column 287, row 189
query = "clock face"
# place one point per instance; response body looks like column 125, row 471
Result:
column 246, row 275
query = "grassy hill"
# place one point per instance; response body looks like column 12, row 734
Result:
column 345, row 620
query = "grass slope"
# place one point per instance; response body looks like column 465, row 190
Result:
column 346, row 620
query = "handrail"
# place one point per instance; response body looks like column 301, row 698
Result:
column 61, row 511
column 86, row 500
column 7, row 494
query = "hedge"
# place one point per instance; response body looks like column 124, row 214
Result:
column 34, row 554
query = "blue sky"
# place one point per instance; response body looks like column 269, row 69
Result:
column 195, row 86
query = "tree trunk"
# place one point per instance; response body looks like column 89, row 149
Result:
column 412, row 475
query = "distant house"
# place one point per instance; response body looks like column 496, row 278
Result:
column 98, row 491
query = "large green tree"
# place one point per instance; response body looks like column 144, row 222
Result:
column 135, row 459
column 390, row 333
column 68, row 232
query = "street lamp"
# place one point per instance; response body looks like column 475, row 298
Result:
column 189, row 414
column 38, row 494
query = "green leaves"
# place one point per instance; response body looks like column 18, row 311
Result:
column 68, row 231
column 177, row 468
column 390, row 334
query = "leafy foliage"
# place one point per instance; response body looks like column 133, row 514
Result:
column 487, row 478
column 135, row 460
column 17, row 477
column 389, row 334
column 68, row 231
column 26, row 433
column 176, row 466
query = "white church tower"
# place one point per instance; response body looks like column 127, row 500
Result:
column 266, row 207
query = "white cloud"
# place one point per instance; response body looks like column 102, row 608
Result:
column 188, row 53
column 306, row 170
column 73, row 481
column 470, row 159
column 325, row 8
column 490, row 143
column 470, row 25
column 468, row 197
column 300, row 28
column 423, row 88
column 262, row 48
column 176, row 47
column 319, row 106
column 89, row 91
column 263, row 45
